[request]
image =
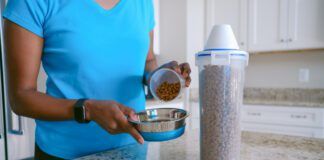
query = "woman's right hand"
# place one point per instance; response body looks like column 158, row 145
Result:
column 112, row 117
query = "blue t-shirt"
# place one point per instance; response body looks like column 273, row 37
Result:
column 89, row 52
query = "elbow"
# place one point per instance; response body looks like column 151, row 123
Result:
column 15, row 104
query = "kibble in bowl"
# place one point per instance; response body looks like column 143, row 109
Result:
column 166, row 85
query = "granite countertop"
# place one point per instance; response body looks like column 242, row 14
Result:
column 295, row 97
column 255, row 146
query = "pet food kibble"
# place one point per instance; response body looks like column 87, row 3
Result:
column 168, row 91
column 220, row 112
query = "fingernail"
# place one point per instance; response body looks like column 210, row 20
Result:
column 141, row 141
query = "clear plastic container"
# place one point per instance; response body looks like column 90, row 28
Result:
column 221, row 81
column 167, row 77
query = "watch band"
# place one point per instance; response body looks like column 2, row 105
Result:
column 80, row 112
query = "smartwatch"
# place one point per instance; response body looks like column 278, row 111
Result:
column 80, row 111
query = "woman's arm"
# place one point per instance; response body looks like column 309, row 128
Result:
column 24, row 51
column 23, row 59
column 151, row 63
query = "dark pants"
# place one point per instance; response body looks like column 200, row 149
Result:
column 40, row 155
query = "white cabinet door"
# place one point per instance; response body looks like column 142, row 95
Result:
column 2, row 148
column 156, row 46
column 20, row 145
column 306, row 23
column 2, row 129
column 232, row 12
column 267, row 25
column 2, row 135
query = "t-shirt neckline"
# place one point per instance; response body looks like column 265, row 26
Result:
column 111, row 10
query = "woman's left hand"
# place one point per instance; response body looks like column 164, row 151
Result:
column 183, row 69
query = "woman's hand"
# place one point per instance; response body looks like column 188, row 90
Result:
column 112, row 117
column 182, row 69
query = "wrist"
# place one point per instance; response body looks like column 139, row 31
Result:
column 147, row 77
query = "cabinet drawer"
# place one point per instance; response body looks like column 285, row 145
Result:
column 295, row 116
column 285, row 130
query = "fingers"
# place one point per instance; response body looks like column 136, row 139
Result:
column 174, row 66
column 185, row 72
column 133, row 132
column 182, row 69
column 188, row 81
column 128, row 112
column 125, row 126
column 113, row 118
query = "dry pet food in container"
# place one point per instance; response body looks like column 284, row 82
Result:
column 221, row 80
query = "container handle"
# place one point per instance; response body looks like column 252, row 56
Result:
column 221, row 59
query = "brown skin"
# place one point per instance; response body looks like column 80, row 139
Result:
column 24, row 51
column 107, row 4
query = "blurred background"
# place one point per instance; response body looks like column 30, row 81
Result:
column 284, row 86
column 285, row 38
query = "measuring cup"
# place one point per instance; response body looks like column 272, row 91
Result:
column 165, row 75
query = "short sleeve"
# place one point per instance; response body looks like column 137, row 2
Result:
column 29, row 14
column 151, row 14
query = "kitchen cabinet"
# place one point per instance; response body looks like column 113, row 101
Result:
column 232, row 12
column 2, row 135
column 295, row 121
column 298, row 121
column 285, row 25
column 267, row 25
column 284, row 130
column 306, row 24
column 270, row 25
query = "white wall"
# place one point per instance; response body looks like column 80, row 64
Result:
column 172, row 31
column 182, row 32
column 41, row 80
column 281, row 70
column 195, row 35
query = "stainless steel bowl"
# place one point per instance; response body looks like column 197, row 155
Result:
column 160, row 124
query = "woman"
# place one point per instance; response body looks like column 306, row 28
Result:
column 95, row 53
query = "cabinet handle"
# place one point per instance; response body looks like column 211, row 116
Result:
column 254, row 114
column 282, row 40
column 298, row 116
column 290, row 40
column 11, row 121
column 242, row 43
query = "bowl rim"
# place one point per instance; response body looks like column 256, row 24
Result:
column 176, row 120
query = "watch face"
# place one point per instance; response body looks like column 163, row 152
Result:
column 83, row 113
column 80, row 112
